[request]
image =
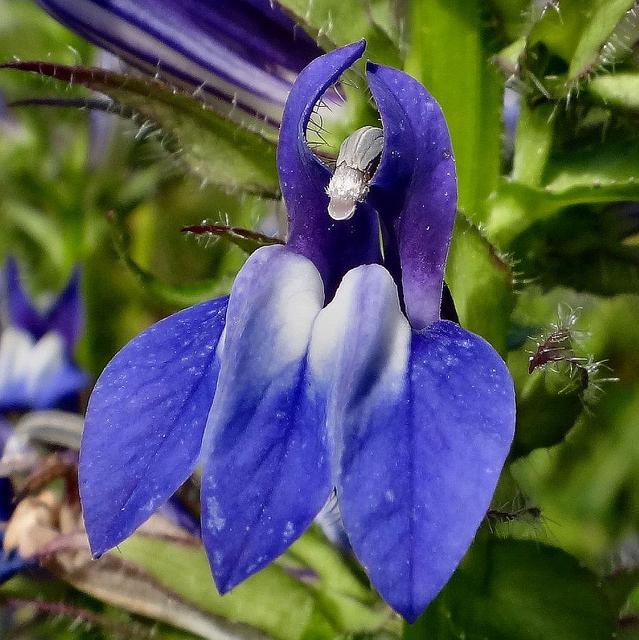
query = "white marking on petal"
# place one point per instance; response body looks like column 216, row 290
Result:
column 216, row 519
column 360, row 350
column 15, row 351
column 27, row 364
column 47, row 358
column 367, row 296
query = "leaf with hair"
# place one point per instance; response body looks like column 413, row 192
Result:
column 219, row 150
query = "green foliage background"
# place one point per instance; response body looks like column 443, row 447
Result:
column 545, row 229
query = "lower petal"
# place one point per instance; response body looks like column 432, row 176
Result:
column 266, row 471
column 422, row 423
column 144, row 425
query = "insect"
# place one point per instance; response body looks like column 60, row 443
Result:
column 357, row 159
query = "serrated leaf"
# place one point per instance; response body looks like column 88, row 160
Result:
column 565, row 45
column 602, row 18
column 220, row 151
column 480, row 282
column 336, row 23
column 508, row 589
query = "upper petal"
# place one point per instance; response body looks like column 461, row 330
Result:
column 145, row 420
column 65, row 316
column 414, row 189
column 266, row 470
column 21, row 312
column 333, row 246
column 420, row 423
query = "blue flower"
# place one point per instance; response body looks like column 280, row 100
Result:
column 12, row 563
column 327, row 367
column 243, row 52
column 36, row 365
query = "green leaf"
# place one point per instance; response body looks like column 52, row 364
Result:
column 587, row 485
column 580, row 248
column 217, row 149
column 272, row 600
column 335, row 23
column 127, row 585
column 620, row 585
column 601, row 20
column 566, row 44
column 597, row 174
column 507, row 589
column 41, row 229
column 533, row 142
column 480, row 282
column 512, row 15
column 617, row 90
column 548, row 405
column 449, row 54
column 348, row 601
column 610, row 167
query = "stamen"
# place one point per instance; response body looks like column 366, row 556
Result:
column 357, row 159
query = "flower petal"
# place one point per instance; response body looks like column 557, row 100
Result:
column 52, row 380
column 21, row 312
column 241, row 50
column 420, row 423
column 145, row 420
column 65, row 316
column 414, row 190
column 266, row 470
column 36, row 374
column 333, row 246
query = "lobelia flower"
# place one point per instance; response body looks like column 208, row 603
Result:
column 240, row 52
column 327, row 367
column 36, row 364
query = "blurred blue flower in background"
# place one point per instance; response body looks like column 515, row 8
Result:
column 244, row 53
column 327, row 366
column 12, row 563
column 36, row 346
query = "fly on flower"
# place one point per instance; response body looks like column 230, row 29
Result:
column 328, row 366
column 36, row 347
